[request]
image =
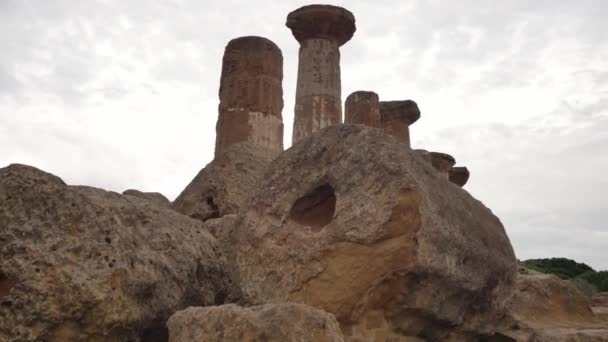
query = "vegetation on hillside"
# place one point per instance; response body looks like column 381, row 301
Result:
column 582, row 274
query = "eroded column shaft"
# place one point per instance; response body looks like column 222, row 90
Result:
column 318, row 92
column 251, row 95
column 362, row 108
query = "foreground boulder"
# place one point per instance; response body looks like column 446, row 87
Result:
column 83, row 264
column 223, row 186
column 286, row 322
column 544, row 307
column 352, row 222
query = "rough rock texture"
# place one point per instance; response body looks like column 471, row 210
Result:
column 286, row 322
column 599, row 303
column 223, row 186
column 544, row 307
column 442, row 162
column 397, row 116
column 83, row 264
column 375, row 236
column 251, row 95
column 362, row 108
column 459, row 175
column 155, row 197
column 320, row 30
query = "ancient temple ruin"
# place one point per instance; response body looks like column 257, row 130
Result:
column 348, row 235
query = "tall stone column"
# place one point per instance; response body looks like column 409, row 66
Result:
column 251, row 95
column 397, row 116
column 320, row 30
column 363, row 108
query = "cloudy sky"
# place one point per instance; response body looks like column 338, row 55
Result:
column 123, row 94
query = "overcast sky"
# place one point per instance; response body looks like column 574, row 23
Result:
column 123, row 94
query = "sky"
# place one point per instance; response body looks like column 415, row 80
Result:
column 123, row 94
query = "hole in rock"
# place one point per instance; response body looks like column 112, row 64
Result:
column 315, row 209
column 155, row 334
column 215, row 210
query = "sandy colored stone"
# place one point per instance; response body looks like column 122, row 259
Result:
column 287, row 322
column 459, row 175
column 397, row 116
column 251, row 95
column 372, row 233
column 223, row 186
column 84, row 264
column 362, row 108
column 320, row 30
column 155, row 197
column 442, row 162
column 544, row 307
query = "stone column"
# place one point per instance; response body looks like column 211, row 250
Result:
column 459, row 175
column 397, row 116
column 251, row 95
column 362, row 107
column 320, row 30
column 442, row 162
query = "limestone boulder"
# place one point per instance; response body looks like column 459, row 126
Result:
column 351, row 221
column 155, row 197
column 285, row 322
column 544, row 307
column 223, row 186
column 84, row 264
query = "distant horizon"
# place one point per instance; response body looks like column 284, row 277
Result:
column 124, row 96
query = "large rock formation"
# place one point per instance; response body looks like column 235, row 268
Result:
column 223, row 186
column 286, row 322
column 320, row 30
column 544, row 307
column 83, row 264
column 354, row 223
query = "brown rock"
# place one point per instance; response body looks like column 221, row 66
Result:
column 83, row 264
column 459, row 175
column 155, row 197
column 320, row 30
column 251, row 95
column 362, row 107
column 223, row 186
column 544, row 307
column 397, row 116
column 286, row 322
column 442, row 162
column 373, row 235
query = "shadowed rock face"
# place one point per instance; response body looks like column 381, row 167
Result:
column 375, row 236
column 397, row 116
column 459, row 175
column 84, row 264
column 251, row 95
column 224, row 185
column 362, row 108
column 285, row 322
column 320, row 30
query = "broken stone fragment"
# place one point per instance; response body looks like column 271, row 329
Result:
column 362, row 107
column 155, row 197
column 286, row 322
column 223, row 186
column 442, row 162
column 320, row 30
column 397, row 116
column 459, row 175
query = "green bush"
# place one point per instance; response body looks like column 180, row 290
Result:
column 561, row 267
column 584, row 286
column 598, row 279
